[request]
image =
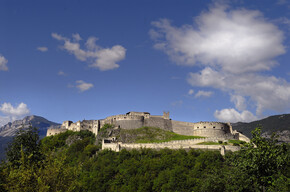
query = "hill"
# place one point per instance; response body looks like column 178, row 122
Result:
column 141, row 135
column 277, row 123
column 8, row 131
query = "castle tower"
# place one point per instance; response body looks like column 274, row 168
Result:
column 166, row 115
column 66, row 124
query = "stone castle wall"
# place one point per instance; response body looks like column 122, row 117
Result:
column 158, row 122
column 51, row 132
column 133, row 120
column 182, row 128
column 185, row 144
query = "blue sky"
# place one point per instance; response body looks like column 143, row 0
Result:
column 200, row 60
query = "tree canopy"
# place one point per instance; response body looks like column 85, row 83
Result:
column 71, row 161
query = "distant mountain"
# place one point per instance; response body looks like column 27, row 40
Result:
column 277, row 123
column 8, row 131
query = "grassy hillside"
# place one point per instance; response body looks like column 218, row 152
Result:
column 143, row 135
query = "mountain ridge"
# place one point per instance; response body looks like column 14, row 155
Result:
column 280, row 124
column 9, row 130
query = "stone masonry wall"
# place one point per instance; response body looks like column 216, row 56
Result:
column 158, row 122
column 51, row 132
column 175, row 145
column 182, row 128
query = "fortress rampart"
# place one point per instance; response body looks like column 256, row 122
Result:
column 184, row 144
column 51, row 132
column 133, row 120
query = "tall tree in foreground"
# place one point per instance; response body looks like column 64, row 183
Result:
column 25, row 145
column 265, row 161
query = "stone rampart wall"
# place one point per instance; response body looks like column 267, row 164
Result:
column 243, row 137
column 209, row 132
column 212, row 125
column 158, row 122
column 129, row 124
column 51, row 132
column 120, row 146
column 182, row 128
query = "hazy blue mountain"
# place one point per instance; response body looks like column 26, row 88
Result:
column 277, row 123
column 8, row 131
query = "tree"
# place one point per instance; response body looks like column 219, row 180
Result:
column 264, row 160
column 24, row 145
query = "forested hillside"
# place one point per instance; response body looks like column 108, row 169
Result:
column 277, row 123
column 72, row 162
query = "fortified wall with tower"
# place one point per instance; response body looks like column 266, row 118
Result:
column 134, row 120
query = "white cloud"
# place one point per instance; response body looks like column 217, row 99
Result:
column 3, row 63
column 232, row 116
column 20, row 110
column 267, row 92
column 97, row 57
column 106, row 58
column 239, row 102
column 4, row 120
column 203, row 94
column 207, row 77
column 83, row 86
column 233, row 46
column 42, row 49
column 76, row 37
column 236, row 41
column 12, row 113
column 190, row 92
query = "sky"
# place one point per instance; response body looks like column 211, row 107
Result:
column 200, row 60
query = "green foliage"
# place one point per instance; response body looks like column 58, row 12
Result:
column 107, row 126
column 153, row 135
column 237, row 142
column 264, row 160
column 24, row 145
column 75, row 166
column 57, row 141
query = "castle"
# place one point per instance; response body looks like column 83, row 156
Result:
column 133, row 120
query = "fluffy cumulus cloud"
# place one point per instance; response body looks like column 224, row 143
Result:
column 233, row 46
column 236, row 41
column 97, row 57
column 3, row 63
column 12, row 113
column 231, row 115
column 42, row 49
column 83, row 86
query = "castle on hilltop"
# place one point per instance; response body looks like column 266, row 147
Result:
column 133, row 120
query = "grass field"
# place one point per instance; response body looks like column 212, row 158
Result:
column 154, row 135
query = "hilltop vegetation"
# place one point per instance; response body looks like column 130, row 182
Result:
column 71, row 161
column 141, row 135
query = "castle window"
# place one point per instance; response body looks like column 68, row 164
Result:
column 204, row 127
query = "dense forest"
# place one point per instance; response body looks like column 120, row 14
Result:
column 73, row 161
